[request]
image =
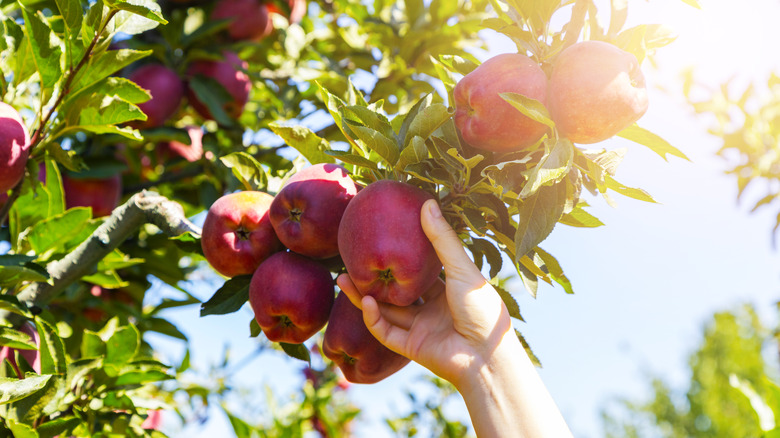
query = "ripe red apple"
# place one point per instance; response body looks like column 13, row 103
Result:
column 488, row 122
column 33, row 357
column 102, row 194
column 382, row 243
column 229, row 72
column 250, row 19
column 307, row 211
column 14, row 147
column 167, row 91
column 596, row 90
column 291, row 296
column 349, row 344
column 237, row 233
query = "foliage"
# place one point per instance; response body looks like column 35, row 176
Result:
column 746, row 122
column 729, row 375
column 366, row 84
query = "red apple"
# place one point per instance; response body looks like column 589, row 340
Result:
column 32, row 357
column 153, row 420
column 14, row 147
column 167, row 91
column 291, row 296
column 237, row 233
column 488, row 122
column 382, row 243
column 349, row 344
column 596, row 90
column 102, row 194
column 229, row 72
column 250, row 19
column 307, row 211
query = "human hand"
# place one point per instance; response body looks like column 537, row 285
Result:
column 457, row 327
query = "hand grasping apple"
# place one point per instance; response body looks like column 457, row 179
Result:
column 462, row 332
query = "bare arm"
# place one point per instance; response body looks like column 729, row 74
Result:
column 463, row 333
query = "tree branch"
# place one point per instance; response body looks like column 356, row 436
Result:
column 144, row 207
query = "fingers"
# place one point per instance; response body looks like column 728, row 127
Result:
column 390, row 335
column 402, row 317
column 457, row 265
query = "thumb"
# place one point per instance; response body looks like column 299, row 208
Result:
column 457, row 265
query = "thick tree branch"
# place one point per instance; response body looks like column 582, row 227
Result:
column 144, row 207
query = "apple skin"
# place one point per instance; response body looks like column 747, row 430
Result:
column 102, row 194
column 14, row 147
column 33, row 357
column 237, row 233
column 229, row 72
column 291, row 296
column 349, row 344
column 167, row 91
column 250, row 19
column 595, row 91
column 488, row 122
column 382, row 243
column 307, row 211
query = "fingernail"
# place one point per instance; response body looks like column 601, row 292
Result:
column 433, row 209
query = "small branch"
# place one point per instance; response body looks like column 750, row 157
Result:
column 144, row 207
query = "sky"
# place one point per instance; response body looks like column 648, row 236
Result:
column 645, row 283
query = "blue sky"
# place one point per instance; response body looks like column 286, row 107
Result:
column 647, row 281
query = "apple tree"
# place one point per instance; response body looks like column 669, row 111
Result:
column 125, row 120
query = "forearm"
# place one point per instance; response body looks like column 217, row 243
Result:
column 506, row 397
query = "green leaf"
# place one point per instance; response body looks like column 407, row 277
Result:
column 369, row 118
column 102, row 65
column 413, row 153
column 555, row 270
column 458, row 64
column 297, row 351
column 229, row 298
column 427, row 121
column 509, row 302
column 538, row 215
column 531, row 108
column 165, row 327
column 12, row 389
column 406, row 120
column 52, row 428
column 305, row 141
column 247, row 170
column 254, row 328
column 52, row 348
column 54, row 232
column 142, row 371
column 552, row 168
column 123, row 345
column 580, row 218
column 628, row 191
column 72, row 13
column 10, row 303
column 92, row 345
column 135, row 16
column 54, row 187
column 531, row 355
column 480, row 247
column 353, row 159
column 16, row 339
column 374, row 140
column 21, row 430
column 15, row 268
column 652, row 141
column 46, row 48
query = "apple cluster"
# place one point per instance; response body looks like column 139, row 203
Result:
column 290, row 243
column 594, row 90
